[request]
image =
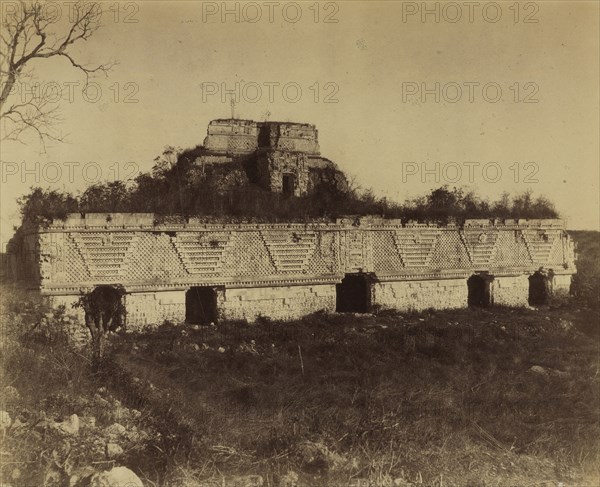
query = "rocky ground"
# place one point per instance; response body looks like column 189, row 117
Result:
column 461, row 398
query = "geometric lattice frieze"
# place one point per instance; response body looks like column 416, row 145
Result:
column 557, row 254
column 540, row 243
column 415, row 247
column 77, row 270
column 480, row 245
column 290, row 251
column 106, row 255
column 385, row 253
column 511, row 250
column 202, row 252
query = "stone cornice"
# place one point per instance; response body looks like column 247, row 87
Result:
column 73, row 225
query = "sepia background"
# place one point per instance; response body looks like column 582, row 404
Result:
column 353, row 62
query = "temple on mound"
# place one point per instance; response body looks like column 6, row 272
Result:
column 282, row 157
column 188, row 270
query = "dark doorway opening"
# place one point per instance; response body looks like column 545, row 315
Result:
column 479, row 291
column 104, row 305
column 538, row 289
column 201, row 305
column 287, row 184
column 353, row 294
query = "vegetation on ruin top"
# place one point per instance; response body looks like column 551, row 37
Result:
column 177, row 186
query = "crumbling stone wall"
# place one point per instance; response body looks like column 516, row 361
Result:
column 273, row 165
column 246, row 136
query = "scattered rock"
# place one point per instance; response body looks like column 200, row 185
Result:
column 115, row 430
column 135, row 436
column 121, row 412
column 69, row 426
column 566, row 325
column 116, row 477
column 192, row 347
column 81, row 476
column 5, row 420
column 248, row 347
column 545, row 371
column 100, row 401
column 113, row 450
column 221, row 350
column 538, row 369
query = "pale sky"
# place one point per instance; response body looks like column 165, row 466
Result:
column 367, row 63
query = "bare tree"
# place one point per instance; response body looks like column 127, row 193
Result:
column 26, row 35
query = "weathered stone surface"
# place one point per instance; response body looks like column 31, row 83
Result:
column 113, row 450
column 115, row 431
column 285, row 271
column 116, row 477
column 246, row 136
column 69, row 426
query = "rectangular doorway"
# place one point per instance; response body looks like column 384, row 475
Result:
column 201, row 305
column 287, row 184
column 353, row 294
column 479, row 291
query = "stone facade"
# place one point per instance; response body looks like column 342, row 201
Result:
column 233, row 136
column 288, row 270
column 279, row 156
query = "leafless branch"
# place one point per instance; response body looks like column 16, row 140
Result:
column 27, row 35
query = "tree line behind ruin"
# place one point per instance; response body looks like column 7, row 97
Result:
column 223, row 191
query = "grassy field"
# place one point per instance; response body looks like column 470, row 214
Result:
column 488, row 397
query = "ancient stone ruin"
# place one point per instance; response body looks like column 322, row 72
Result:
column 281, row 157
column 202, row 272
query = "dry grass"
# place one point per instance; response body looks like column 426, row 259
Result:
column 395, row 396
